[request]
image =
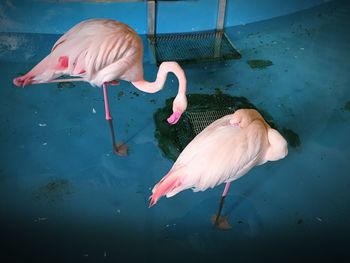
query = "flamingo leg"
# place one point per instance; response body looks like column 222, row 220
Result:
column 218, row 221
column 120, row 148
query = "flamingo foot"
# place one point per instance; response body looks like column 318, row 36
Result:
column 121, row 149
column 174, row 118
column 221, row 222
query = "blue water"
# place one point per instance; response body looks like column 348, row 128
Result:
column 64, row 197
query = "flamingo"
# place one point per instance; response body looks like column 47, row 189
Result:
column 101, row 52
column 223, row 152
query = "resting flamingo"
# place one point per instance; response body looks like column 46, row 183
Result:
column 103, row 51
column 223, row 152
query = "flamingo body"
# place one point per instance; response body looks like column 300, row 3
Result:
column 223, row 152
column 102, row 51
column 97, row 50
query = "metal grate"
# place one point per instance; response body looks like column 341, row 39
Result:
column 200, row 120
column 197, row 121
column 192, row 47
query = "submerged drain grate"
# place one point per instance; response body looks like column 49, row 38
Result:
column 192, row 47
column 202, row 110
column 200, row 120
column 196, row 121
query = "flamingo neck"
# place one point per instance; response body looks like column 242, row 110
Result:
column 164, row 69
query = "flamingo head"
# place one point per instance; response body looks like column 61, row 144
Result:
column 179, row 106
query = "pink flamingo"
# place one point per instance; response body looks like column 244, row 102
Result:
column 223, row 152
column 102, row 51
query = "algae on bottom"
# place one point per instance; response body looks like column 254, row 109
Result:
column 172, row 139
column 259, row 63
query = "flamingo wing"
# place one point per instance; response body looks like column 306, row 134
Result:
column 104, row 50
column 220, row 153
column 97, row 50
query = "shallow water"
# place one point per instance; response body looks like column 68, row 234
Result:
column 65, row 197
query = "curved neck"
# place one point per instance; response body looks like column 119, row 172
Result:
column 164, row 69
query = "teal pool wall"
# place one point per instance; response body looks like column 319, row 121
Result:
column 57, row 16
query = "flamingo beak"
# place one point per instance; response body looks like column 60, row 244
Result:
column 174, row 118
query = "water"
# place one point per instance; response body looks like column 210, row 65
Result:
column 66, row 198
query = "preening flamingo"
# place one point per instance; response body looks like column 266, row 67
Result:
column 223, row 152
column 103, row 51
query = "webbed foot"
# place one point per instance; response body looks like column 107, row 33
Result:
column 121, row 149
column 221, row 222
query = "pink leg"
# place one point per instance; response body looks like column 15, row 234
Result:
column 120, row 148
column 227, row 186
column 105, row 96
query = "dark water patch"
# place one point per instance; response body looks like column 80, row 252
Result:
column 218, row 91
column 259, row 63
column 347, row 106
column 121, row 94
column 291, row 137
column 53, row 191
column 65, row 85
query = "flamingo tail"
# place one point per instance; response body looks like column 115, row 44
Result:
column 166, row 185
column 49, row 70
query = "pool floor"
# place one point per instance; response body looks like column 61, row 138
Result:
column 65, row 197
